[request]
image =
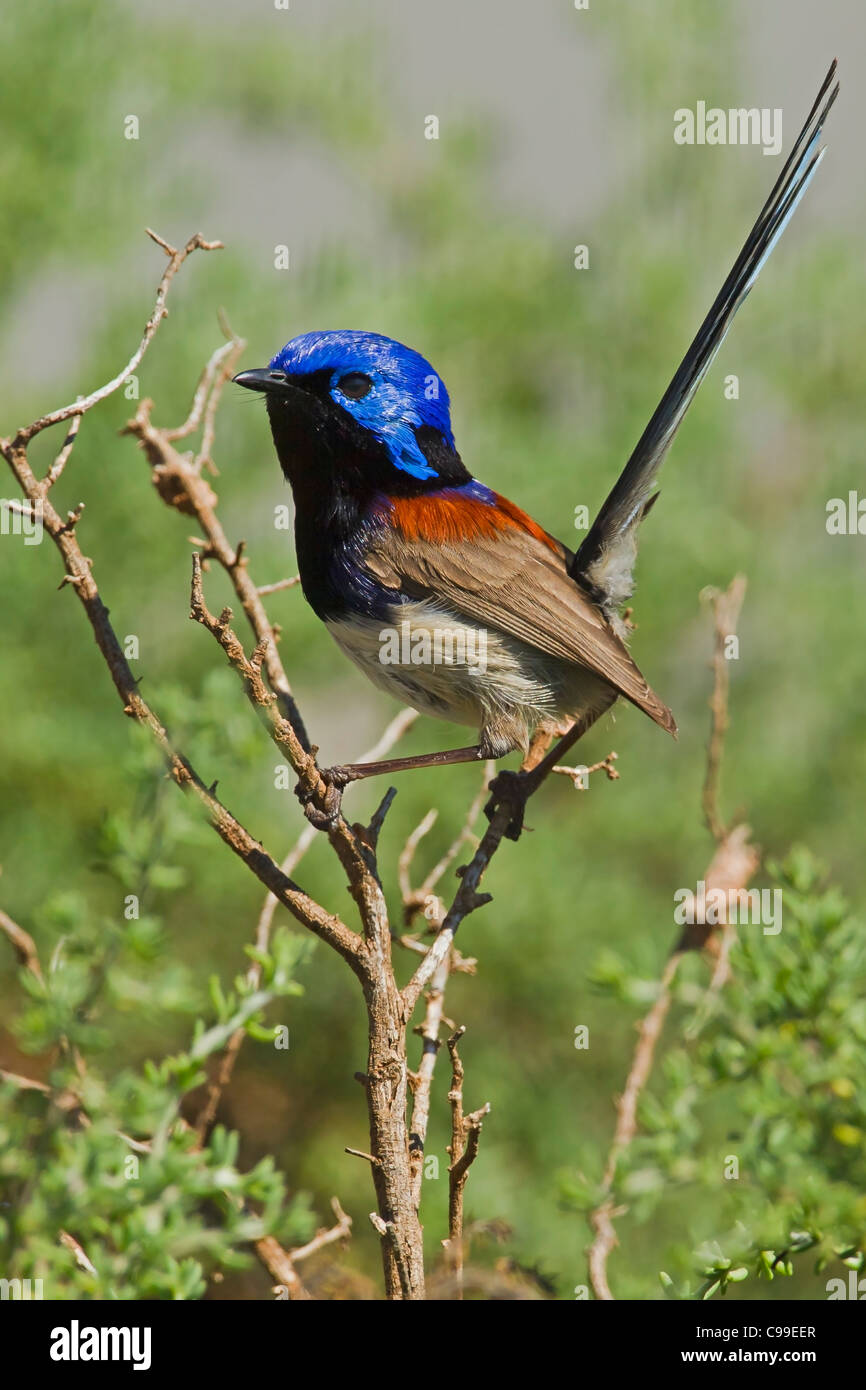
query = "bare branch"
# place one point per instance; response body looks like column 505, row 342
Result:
column 206, row 399
column 280, row 1266
column 180, row 484
column 24, row 1083
column 649, row 1032
column 467, row 898
column 77, row 1252
column 84, row 403
column 23, row 944
column 363, row 882
column 281, row 1263
column 579, row 774
column 726, row 612
column 79, row 570
column 465, row 1137
column 422, row 1080
column 62, row 458
column 327, row 1236
column 227, row 365
column 362, row 1153
column 394, row 731
column 264, row 589
column 416, row 898
column 407, row 857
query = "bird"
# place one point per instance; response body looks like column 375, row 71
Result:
column 443, row 592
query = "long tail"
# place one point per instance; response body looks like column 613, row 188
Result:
column 605, row 560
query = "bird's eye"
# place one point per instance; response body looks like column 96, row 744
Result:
column 355, row 385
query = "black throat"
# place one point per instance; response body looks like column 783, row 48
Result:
column 339, row 472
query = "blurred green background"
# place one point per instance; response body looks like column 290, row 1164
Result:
column 306, row 128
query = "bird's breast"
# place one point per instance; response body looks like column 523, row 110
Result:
column 330, row 548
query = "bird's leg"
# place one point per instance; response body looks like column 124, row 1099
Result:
column 354, row 772
column 513, row 789
column 338, row 778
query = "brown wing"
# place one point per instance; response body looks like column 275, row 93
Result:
column 514, row 580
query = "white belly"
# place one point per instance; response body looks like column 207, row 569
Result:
column 435, row 661
column 440, row 664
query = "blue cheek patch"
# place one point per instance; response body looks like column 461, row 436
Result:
column 406, row 456
column 383, row 413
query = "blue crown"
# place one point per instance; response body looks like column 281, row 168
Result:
column 406, row 394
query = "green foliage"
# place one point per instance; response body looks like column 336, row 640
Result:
column 104, row 1153
column 760, row 1109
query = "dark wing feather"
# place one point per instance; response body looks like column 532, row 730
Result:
column 512, row 581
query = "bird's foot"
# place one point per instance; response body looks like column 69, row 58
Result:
column 510, row 789
column 324, row 812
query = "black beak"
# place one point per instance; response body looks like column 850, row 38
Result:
column 264, row 379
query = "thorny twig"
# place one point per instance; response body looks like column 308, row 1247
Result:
column 179, row 482
column 414, row 899
column 80, row 406
column 580, row 775
column 421, row 1081
column 363, row 883
column 281, row 1263
column 265, row 589
column 395, row 730
column 23, row 945
column 467, row 899
column 465, row 1137
column 726, row 612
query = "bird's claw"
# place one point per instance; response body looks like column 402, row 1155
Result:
column 324, row 812
column 509, row 789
